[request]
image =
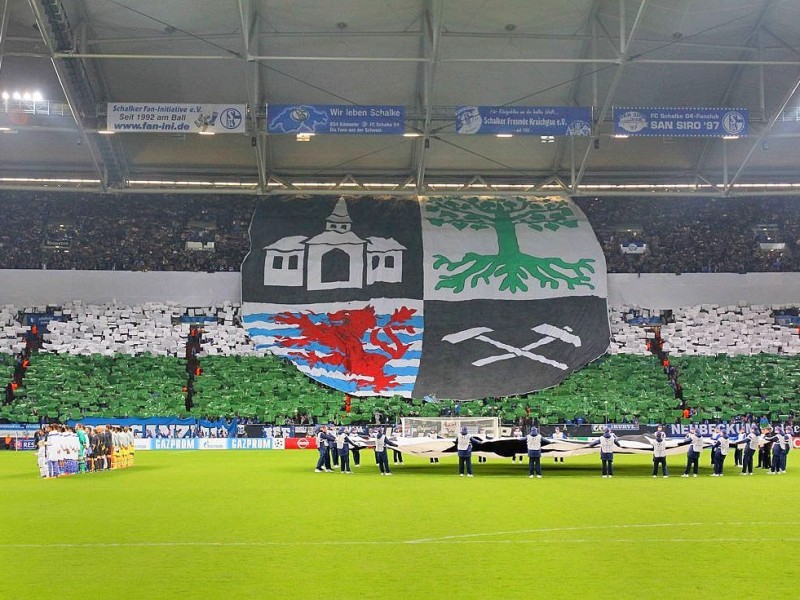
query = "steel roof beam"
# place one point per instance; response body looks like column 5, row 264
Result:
column 57, row 37
column 625, row 49
column 417, row 59
column 432, row 30
column 4, row 19
column 763, row 135
column 732, row 82
column 575, row 86
column 248, row 13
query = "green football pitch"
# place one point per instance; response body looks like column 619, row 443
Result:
column 261, row 524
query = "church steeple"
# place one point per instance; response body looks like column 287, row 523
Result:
column 339, row 220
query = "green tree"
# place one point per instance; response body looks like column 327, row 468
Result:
column 510, row 265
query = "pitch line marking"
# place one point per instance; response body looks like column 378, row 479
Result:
column 389, row 543
column 595, row 527
column 453, row 539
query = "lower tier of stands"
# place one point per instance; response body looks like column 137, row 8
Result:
column 617, row 388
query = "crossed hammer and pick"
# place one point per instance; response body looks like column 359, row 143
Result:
column 551, row 333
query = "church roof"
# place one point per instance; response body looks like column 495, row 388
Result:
column 335, row 238
column 381, row 244
column 340, row 214
column 291, row 243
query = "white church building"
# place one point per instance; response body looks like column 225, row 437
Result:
column 335, row 258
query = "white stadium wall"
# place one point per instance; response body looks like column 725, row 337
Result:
column 41, row 287
column 670, row 291
column 652, row 290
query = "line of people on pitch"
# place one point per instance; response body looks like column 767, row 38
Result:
column 63, row 450
column 606, row 443
column 772, row 445
column 779, row 440
column 335, row 449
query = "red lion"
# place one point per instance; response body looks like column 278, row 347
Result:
column 342, row 332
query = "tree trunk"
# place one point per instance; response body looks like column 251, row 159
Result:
column 505, row 228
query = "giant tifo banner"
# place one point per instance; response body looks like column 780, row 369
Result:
column 458, row 297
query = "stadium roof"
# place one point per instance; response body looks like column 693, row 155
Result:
column 426, row 55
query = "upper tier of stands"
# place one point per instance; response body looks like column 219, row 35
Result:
column 175, row 233
column 697, row 235
column 43, row 230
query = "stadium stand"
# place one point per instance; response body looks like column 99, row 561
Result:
column 209, row 233
column 695, row 235
column 732, row 359
column 123, row 361
column 128, row 232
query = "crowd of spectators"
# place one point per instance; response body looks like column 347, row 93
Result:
column 695, row 235
column 123, row 232
column 140, row 232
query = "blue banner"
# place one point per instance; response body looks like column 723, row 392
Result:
column 335, row 119
column 198, row 319
column 18, row 428
column 166, row 427
column 680, row 122
column 524, row 120
column 42, row 320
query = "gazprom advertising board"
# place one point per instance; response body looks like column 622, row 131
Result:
column 680, row 122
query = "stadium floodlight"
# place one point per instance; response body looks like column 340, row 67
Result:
column 621, row 136
column 16, row 96
column 411, row 134
column 6, row 96
column 505, row 135
column 37, row 96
